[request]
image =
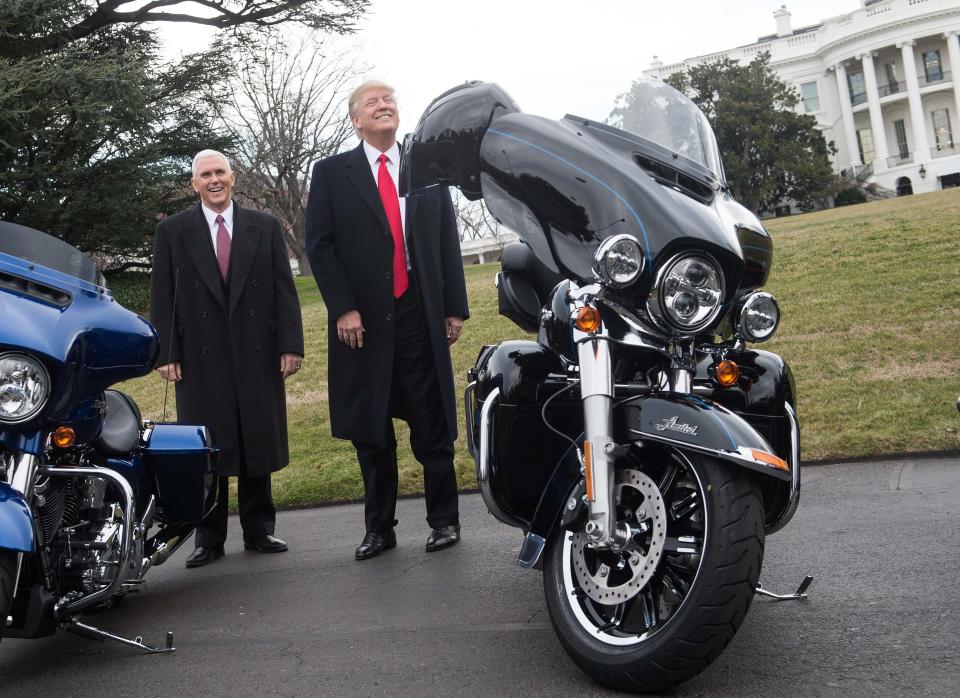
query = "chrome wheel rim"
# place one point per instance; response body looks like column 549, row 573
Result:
column 656, row 592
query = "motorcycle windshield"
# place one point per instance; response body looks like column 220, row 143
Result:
column 660, row 115
column 47, row 251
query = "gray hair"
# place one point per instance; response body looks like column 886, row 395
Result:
column 368, row 85
column 208, row 153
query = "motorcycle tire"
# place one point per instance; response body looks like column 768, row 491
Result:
column 8, row 569
column 719, row 590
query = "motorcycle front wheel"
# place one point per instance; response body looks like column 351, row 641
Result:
column 8, row 570
column 659, row 610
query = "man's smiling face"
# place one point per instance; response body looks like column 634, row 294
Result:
column 376, row 114
column 214, row 182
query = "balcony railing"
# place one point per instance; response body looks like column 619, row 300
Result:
column 935, row 78
column 858, row 98
column 892, row 88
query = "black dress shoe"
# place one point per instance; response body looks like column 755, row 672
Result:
column 267, row 544
column 374, row 543
column 204, row 555
column 443, row 537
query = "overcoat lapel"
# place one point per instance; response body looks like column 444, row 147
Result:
column 246, row 239
column 359, row 174
column 196, row 238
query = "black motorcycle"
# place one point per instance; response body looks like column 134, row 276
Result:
column 639, row 444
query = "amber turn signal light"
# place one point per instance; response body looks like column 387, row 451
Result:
column 63, row 437
column 726, row 373
column 588, row 319
column 771, row 459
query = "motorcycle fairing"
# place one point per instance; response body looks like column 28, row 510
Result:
column 16, row 527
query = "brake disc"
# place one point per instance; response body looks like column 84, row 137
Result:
column 614, row 576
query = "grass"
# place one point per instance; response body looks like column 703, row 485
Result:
column 870, row 296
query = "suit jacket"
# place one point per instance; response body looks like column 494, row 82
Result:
column 351, row 254
column 228, row 337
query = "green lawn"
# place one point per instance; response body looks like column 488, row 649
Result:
column 870, row 296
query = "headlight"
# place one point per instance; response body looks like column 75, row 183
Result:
column 24, row 387
column 759, row 317
column 619, row 261
column 688, row 293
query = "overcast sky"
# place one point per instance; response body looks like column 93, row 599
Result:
column 552, row 56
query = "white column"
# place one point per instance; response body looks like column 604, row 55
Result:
column 921, row 146
column 876, row 115
column 846, row 114
column 953, row 45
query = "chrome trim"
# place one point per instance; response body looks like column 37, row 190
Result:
column 596, row 390
column 470, row 415
column 16, row 577
column 65, row 607
column 483, row 463
column 681, row 380
column 24, row 469
column 795, row 467
column 48, row 386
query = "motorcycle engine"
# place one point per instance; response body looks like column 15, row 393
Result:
column 82, row 531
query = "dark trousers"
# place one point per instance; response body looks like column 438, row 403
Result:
column 415, row 398
column 258, row 517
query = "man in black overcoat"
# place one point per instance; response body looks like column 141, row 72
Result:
column 226, row 310
column 391, row 275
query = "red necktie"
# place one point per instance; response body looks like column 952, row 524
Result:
column 223, row 248
column 391, row 206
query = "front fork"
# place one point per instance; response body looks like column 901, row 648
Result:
column 600, row 451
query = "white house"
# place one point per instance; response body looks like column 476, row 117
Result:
column 883, row 83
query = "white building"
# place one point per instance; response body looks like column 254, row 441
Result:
column 883, row 83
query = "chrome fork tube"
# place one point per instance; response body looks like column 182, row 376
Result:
column 24, row 470
column 596, row 389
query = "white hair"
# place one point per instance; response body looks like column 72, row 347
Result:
column 354, row 98
column 209, row 153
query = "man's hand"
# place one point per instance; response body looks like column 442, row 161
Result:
column 170, row 372
column 290, row 364
column 350, row 329
column 454, row 328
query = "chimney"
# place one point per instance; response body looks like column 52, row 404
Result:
column 783, row 21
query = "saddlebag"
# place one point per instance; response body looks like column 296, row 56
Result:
column 179, row 458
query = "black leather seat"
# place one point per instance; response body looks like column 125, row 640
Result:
column 120, row 433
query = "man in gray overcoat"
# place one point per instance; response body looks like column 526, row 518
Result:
column 226, row 310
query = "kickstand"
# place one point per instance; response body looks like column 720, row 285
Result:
column 800, row 593
column 76, row 627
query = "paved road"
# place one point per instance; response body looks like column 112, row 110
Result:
column 882, row 540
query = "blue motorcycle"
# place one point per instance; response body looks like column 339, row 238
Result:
column 91, row 496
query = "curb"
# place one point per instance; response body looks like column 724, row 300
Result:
column 881, row 458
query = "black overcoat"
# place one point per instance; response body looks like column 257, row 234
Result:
column 229, row 337
column 351, row 254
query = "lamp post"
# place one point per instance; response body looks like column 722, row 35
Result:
column 923, row 171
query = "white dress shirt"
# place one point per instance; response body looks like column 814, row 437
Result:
column 211, row 217
column 393, row 168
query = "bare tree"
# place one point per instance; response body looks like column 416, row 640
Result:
column 288, row 110
column 475, row 221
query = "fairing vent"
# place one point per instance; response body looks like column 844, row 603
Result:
column 672, row 177
column 31, row 289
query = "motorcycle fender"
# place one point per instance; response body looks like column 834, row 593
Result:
column 16, row 528
column 690, row 422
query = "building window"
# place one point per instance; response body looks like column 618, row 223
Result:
column 941, row 129
column 865, row 144
column 901, row 130
column 931, row 66
column 904, row 186
column 811, row 97
column 858, row 89
column 893, row 85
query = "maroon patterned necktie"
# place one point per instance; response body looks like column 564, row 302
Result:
column 391, row 206
column 223, row 248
